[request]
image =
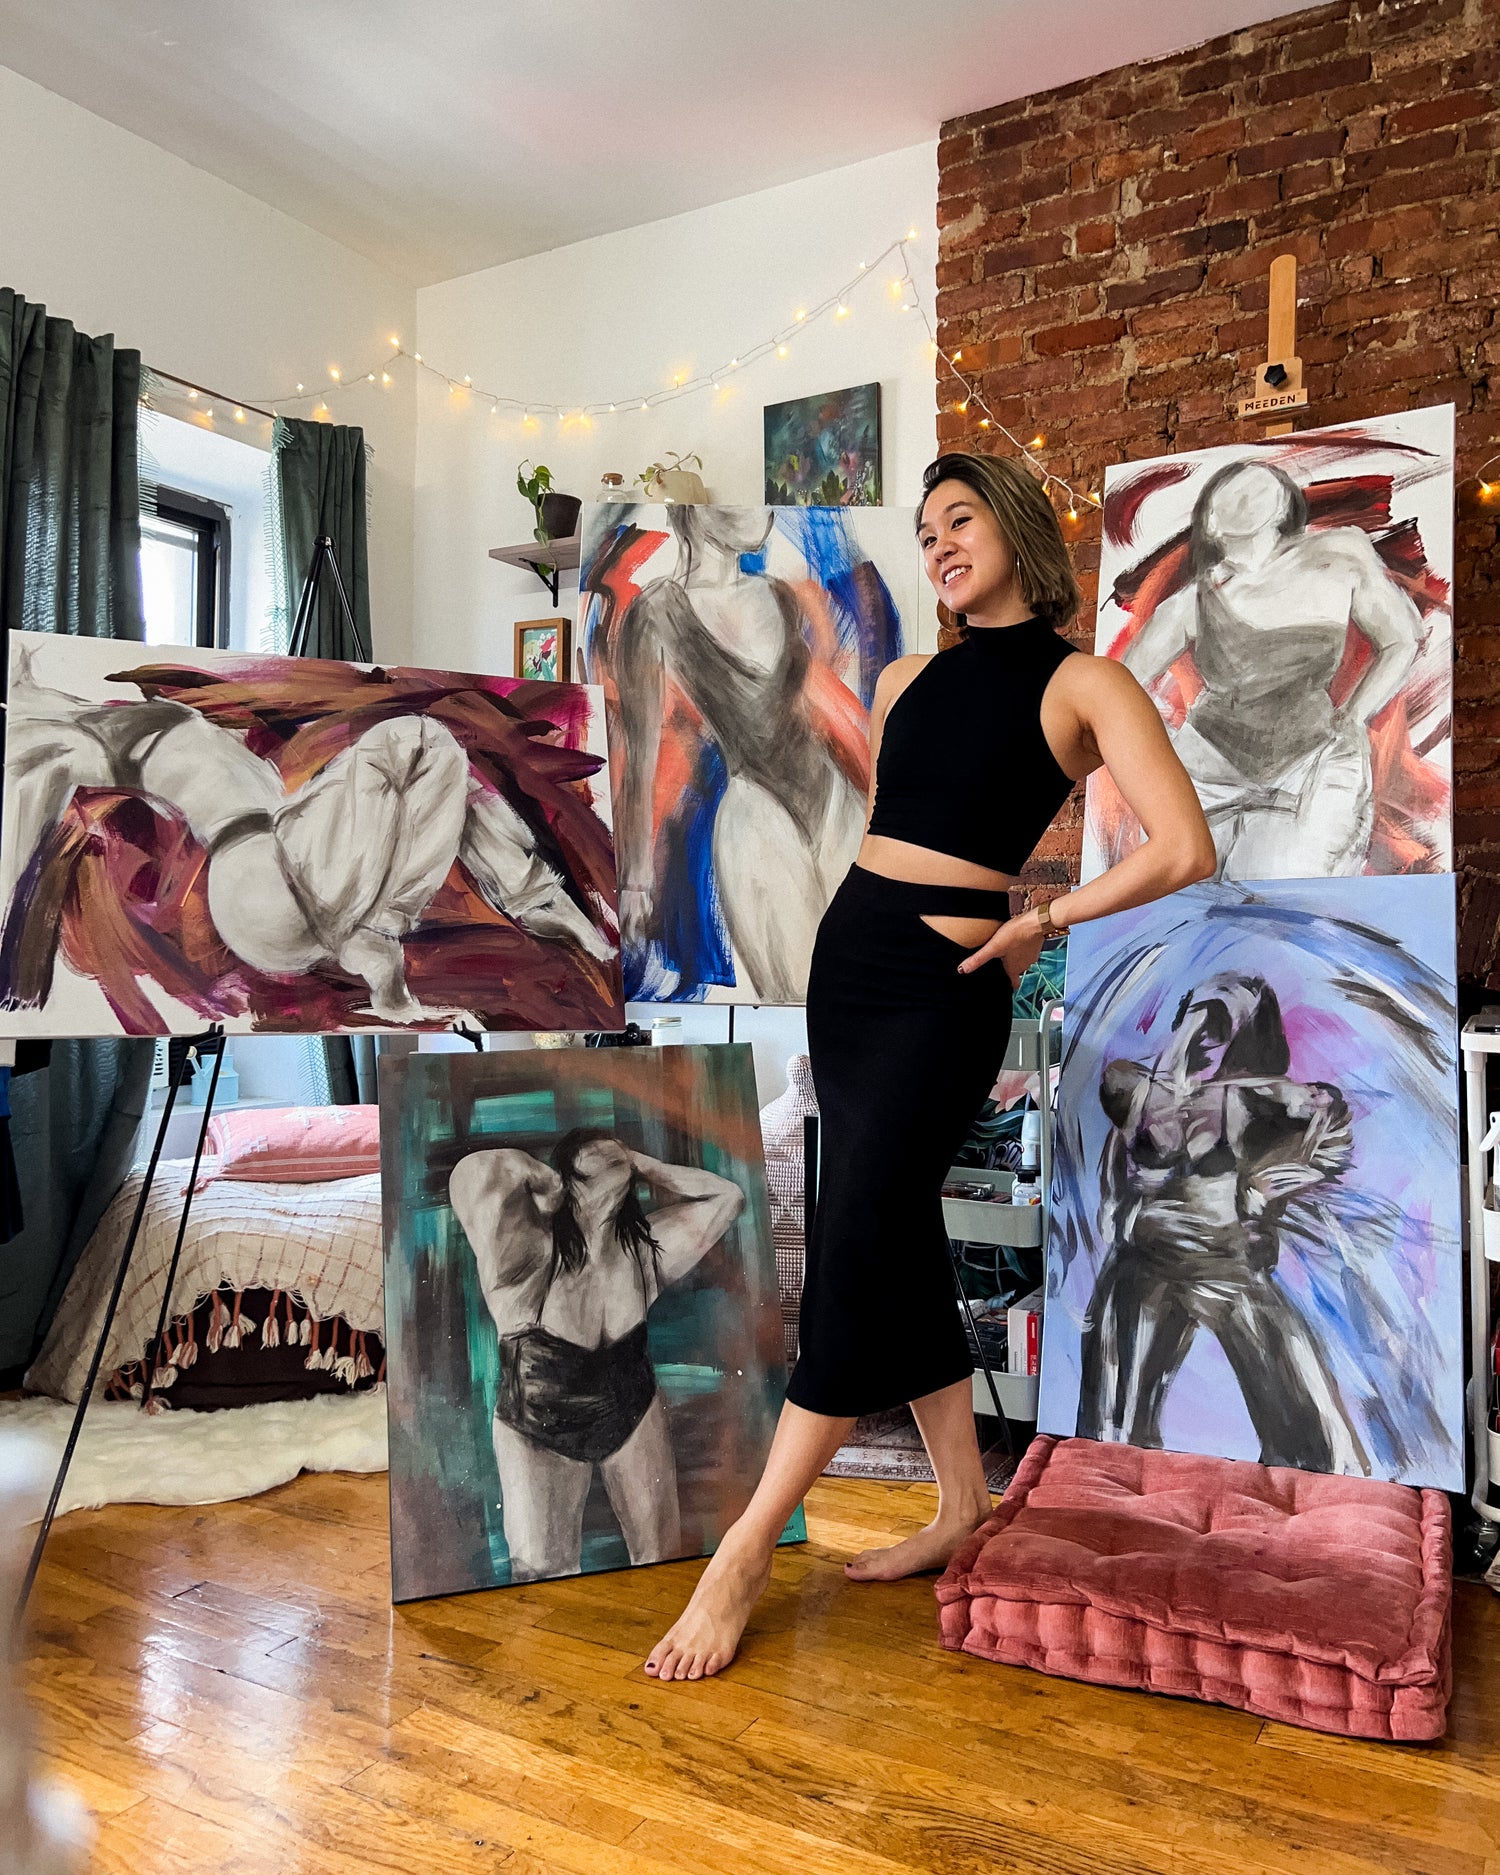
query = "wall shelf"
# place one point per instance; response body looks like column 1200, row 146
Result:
column 561, row 555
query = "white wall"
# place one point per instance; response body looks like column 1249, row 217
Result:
column 109, row 231
column 626, row 313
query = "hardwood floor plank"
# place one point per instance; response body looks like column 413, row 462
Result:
column 234, row 1692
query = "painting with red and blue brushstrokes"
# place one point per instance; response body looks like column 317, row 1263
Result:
column 1288, row 603
column 299, row 845
column 738, row 649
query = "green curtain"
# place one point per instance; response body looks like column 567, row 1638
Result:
column 318, row 481
column 69, row 562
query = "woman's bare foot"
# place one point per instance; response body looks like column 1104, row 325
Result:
column 931, row 1548
column 705, row 1635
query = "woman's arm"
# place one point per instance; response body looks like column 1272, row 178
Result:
column 641, row 677
column 694, row 1209
column 505, row 1201
column 1390, row 620
column 1117, row 726
column 1164, row 637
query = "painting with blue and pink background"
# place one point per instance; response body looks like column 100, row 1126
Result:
column 1370, row 1259
column 714, row 1337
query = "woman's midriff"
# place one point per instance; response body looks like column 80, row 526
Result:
column 920, row 865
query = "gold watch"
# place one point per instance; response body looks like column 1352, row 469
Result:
column 1045, row 920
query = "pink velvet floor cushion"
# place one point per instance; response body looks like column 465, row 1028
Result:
column 1320, row 1601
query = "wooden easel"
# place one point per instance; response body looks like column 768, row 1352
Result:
column 1278, row 382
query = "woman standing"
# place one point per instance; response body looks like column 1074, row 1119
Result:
column 973, row 751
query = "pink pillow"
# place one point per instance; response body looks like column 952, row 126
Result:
column 295, row 1145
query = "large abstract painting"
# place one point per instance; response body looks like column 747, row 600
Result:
column 1287, row 601
column 297, row 844
column 740, row 648
column 1254, row 1247
column 825, row 450
column 583, row 1333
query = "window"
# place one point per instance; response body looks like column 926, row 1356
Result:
column 185, row 570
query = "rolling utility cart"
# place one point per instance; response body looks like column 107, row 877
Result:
column 1022, row 1227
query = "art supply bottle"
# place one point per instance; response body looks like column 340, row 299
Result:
column 1031, row 1140
column 1026, row 1190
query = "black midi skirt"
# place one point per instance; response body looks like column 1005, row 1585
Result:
column 904, row 1051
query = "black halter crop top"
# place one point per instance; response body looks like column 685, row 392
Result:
column 964, row 768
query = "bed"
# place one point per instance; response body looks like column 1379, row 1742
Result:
column 278, row 1293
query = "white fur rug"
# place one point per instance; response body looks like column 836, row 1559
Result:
column 125, row 1456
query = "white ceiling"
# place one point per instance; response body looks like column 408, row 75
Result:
column 452, row 135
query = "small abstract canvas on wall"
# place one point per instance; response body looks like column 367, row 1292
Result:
column 542, row 653
column 289, row 845
column 582, row 1326
column 1287, row 601
column 824, row 451
column 739, row 649
column 1254, row 1245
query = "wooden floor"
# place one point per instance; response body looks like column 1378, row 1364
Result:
column 230, row 1690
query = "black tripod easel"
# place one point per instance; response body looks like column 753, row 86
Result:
column 209, row 1043
column 324, row 555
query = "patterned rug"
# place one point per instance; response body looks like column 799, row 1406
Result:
column 888, row 1445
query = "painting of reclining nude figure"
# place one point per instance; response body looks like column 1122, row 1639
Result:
column 1254, row 1246
column 583, row 1329
column 1287, row 601
column 298, row 844
column 739, row 649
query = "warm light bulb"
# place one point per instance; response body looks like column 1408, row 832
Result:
column 864, row 266
column 417, row 356
column 1037, row 441
column 961, row 408
column 333, row 372
column 645, row 404
column 734, row 364
column 801, row 313
column 1072, row 512
column 385, row 377
column 369, row 377
column 467, row 378
column 842, row 313
column 716, row 383
column 898, row 287
column 193, row 395
column 395, row 341
column 611, row 407
column 781, row 351
column 984, row 423
column 209, row 411
column 911, row 234
column 299, row 390
column 239, row 415
column 494, row 410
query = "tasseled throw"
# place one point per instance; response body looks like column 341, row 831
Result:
column 215, row 1336
column 272, row 1336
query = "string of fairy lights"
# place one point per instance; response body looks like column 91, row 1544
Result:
column 835, row 307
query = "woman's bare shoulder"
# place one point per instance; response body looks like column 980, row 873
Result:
column 895, row 676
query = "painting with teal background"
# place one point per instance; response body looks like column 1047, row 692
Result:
column 825, row 450
column 465, row 1378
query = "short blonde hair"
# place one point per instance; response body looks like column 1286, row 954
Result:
column 1028, row 521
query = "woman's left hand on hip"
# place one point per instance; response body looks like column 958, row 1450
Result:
column 1017, row 943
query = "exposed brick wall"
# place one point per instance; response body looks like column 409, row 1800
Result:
column 1103, row 266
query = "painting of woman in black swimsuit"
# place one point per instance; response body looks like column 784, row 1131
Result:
column 741, row 647
column 1288, row 604
column 583, row 1325
column 570, row 1264
column 1254, row 1245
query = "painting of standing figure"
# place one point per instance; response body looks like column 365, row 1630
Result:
column 298, row 844
column 1254, row 1247
column 583, row 1331
column 739, row 648
column 1287, row 601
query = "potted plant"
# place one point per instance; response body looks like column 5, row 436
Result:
column 556, row 515
column 674, row 481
